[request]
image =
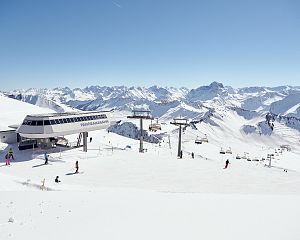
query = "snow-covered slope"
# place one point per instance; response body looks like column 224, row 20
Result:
column 120, row 193
column 288, row 106
column 13, row 111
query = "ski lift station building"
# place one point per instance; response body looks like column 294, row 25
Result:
column 46, row 127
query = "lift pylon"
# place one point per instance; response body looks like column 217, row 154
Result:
column 141, row 114
column 180, row 122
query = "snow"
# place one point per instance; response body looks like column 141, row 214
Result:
column 147, row 215
column 123, row 194
column 288, row 105
column 14, row 111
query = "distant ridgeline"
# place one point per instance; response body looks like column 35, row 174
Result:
column 270, row 108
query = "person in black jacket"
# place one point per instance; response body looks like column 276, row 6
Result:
column 226, row 164
column 57, row 179
column 76, row 167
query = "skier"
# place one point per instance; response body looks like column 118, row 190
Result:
column 57, row 180
column 193, row 155
column 10, row 154
column 226, row 164
column 181, row 154
column 77, row 167
column 46, row 158
column 91, row 139
column 7, row 159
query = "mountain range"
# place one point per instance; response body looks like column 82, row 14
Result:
column 261, row 107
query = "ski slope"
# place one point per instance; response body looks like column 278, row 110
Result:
column 121, row 193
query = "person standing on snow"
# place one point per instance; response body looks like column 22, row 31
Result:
column 7, row 160
column 226, row 164
column 10, row 154
column 193, row 155
column 46, row 158
column 77, row 167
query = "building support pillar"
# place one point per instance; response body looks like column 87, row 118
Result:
column 84, row 138
column 141, row 136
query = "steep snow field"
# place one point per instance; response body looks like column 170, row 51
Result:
column 121, row 193
column 14, row 111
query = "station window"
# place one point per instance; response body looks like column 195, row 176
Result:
column 89, row 117
column 68, row 120
column 81, row 119
column 61, row 121
column 33, row 123
column 52, row 122
column 85, row 118
column 46, row 122
column 57, row 121
column 39, row 123
column 72, row 120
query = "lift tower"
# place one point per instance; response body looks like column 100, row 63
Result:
column 141, row 114
column 180, row 122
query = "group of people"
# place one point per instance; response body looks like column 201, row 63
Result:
column 8, row 157
column 57, row 180
column 76, row 171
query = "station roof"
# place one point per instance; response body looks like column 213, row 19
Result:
column 64, row 114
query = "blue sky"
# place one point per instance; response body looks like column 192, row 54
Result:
column 187, row 43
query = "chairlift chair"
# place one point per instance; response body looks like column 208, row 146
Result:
column 229, row 151
column 154, row 126
column 222, row 151
column 198, row 141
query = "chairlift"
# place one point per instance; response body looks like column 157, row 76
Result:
column 154, row 126
column 198, row 141
column 249, row 159
column 222, row 151
column 229, row 151
column 204, row 139
column 237, row 157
